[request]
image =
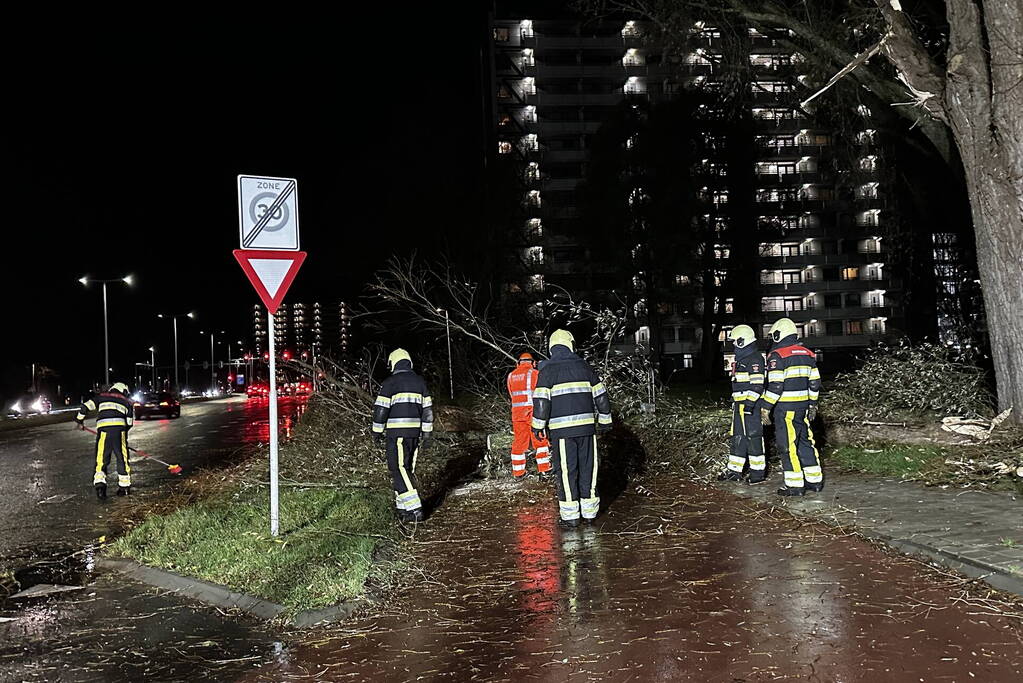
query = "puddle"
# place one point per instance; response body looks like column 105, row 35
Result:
column 56, row 565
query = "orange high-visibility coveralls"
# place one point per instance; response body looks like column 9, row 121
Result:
column 521, row 382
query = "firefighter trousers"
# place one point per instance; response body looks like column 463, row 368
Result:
column 747, row 440
column 797, row 449
column 402, row 453
column 112, row 443
column 524, row 440
column 575, row 470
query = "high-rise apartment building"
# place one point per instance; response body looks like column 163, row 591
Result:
column 811, row 200
column 300, row 327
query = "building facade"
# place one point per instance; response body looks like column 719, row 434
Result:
column 302, row 328
column 812, row 201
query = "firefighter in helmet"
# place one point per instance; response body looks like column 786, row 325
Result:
column 521, row 383
column 572, row 406
column 115, row 415
column 790, row 401
column 747, row 433
column 403, row 420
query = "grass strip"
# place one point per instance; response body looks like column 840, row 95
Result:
column 323, row 556
column 888, row 460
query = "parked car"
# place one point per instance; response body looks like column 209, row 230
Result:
column 30, row 404
column 162, row 403
column 257, row 391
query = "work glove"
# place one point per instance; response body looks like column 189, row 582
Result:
column 603, row 429
column 425, row 442
column 378, row 438
column 80, row 424
column 811, row 413
column 540, row 434
column 765, row 416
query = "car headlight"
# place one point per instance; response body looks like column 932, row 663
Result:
column 16, row 407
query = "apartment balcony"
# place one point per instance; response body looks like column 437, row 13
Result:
column 548, row 128
column 612, row 40
column 825, row 341
column 575, row 99
column 791, row 206
column 765, row 98
column 857, row 259
column 793, row 125
column 765, row 152
column 839, row 313
column 800, row 177
column 804, row 288
column 678, row 348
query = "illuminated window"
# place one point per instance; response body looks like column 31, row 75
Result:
column 504, row 147
column 501, row 35
column 851, row 273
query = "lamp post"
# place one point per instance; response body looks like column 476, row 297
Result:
column 152, row 364
column 85, row 280
column 174, row 318
column 447, row 328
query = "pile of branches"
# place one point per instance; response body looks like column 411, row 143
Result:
column 685, row 435
column 908, row 382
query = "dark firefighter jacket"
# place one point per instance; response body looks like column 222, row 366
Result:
column 748, row 376
column 793, row 381
column 113, row 410
column 569, row 399
column 404, row 407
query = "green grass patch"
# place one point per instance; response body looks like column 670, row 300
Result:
column 323, row 556
column 889, row 461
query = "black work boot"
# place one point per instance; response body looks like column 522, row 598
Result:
column 101, row 491
column 815, row 488
column 124, row 490
column 416, row 516
column 729, row 475
column 756, row 477
column 790, row 491
column 568, row 523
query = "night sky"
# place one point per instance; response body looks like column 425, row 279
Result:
column 122, row 148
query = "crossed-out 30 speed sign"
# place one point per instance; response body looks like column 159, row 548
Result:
column 268, row 213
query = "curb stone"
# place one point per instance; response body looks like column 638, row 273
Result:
column 222, row 596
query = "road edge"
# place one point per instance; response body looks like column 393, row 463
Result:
column 222, row 596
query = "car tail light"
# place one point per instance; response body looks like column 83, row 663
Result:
column 164, row 403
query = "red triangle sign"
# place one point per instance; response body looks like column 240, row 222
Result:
column 270, row 272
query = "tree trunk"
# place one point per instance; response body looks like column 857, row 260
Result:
column 998, row 222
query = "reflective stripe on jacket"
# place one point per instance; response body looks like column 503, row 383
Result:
column 747, row 377
column 112, row 410
column 569, row 400
column 793, row 380
column 521, row 382
column 404, row 407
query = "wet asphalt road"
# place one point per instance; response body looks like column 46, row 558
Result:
column 46, row 490
column 676, row 582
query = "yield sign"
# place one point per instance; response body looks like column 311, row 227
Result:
column 270, row 272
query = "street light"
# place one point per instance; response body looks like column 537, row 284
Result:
column 152, row 364
column 190, row 314
column 85, row 280
column 447, row 327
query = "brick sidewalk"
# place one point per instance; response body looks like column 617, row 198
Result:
column 978, row 533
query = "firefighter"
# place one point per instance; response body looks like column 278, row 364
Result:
column 403, row 419
column 572, row 406
column 747, row 432
column 521, row 382
column 790, row 400
column 115, row 415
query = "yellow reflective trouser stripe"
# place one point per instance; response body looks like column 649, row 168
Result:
column 564, row 471
column 742, row 418
column 596, row 460
column 790, row 430
column 124, row 452
column 401, row 466
column 101, row 444
column 813, row 444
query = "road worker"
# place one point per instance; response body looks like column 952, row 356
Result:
column 115, row 415
column 403, row 419
column 790, row 400
column 747, row 432
column 571, row 405
column 521, row 382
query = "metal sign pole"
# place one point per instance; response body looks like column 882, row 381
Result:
column 274, row 493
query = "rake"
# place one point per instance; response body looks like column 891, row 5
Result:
column 173, row 469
